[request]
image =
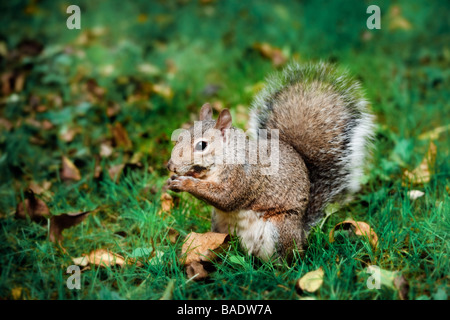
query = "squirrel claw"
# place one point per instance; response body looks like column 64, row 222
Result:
column 178, row 183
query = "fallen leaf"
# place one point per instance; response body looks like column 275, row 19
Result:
column 163, row 90
column 434, row 134
column 112, row 109
column 156, row 258
column 166, row 202
column 81, row 261
column 35, row 208
column 16, row 293
column 200, row 250
column 106, row 149
column 168, row 292
column 69, row 171
column 311, row 281
column 67, row 134
column 6, row 124
column 115, row 171
column 360, row 229
column 120, row 135
column 173, row 235
column 39, row 188
column 203, row 246
column 20, row 82
column 104, row 258
column 64, row 221
column 422, row 173
column 94, row 89
column 274, row 54
column 196, row 271
column 148, row 69
column 402, row 285
column 414, row 194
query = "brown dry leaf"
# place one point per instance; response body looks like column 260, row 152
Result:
column 173, row 235
column 274, row 54
column 200, row 250
column 166, row 202
column 121, row 136
column 112, row 109
column 39, row 188
column 67, row 134
column 402, row 285
column 35, row 208
column 360, row 229
column 4, row 123
column 94, row 89
column 64, row 221
column 115, row 171
column 196, row 270
column 104, row 258
column 203, row 246
column 311, row 281
column 421, row 174
column 20, row 82
column 5, row 79
column 69, row 171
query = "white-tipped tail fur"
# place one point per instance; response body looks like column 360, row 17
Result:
column 322, row 113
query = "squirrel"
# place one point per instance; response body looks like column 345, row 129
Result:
column 319, row 116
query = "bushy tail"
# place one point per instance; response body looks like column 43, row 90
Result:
column 321, row 112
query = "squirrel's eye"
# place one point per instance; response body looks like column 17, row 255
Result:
column 201, row 145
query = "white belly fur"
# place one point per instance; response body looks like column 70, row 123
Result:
column 257, row 235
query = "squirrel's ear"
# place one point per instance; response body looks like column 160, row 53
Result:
column 224, row 121
column 206, row 112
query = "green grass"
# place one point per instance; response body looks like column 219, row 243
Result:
column 404, row 72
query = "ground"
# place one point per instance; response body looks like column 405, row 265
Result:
column 108, row 96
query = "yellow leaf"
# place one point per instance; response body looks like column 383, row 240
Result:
column 16, row 293
column 69, row 170
column 421, row 174
column 360, row 229
column 311, row 281
column 435, row 133
column 104, row 258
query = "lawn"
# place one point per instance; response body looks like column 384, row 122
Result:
column 86, row 118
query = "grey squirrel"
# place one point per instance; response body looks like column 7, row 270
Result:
column 321, row 119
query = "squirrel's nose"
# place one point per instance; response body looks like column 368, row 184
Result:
column 170, row 166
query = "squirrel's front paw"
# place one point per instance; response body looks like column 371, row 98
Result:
column 183, row 183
